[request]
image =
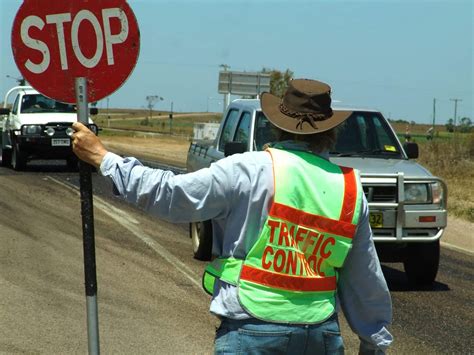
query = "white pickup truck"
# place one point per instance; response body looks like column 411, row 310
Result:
column 37, row 127
column 407, row 204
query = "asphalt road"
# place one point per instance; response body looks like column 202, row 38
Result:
column 150, row 300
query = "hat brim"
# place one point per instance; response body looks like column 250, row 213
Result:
column 271, row 108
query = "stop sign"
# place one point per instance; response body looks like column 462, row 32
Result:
column 55, row 42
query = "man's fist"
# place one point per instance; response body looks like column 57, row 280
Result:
column 87, row 146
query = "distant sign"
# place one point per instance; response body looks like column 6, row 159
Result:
column 54, row 42
column 243, row 83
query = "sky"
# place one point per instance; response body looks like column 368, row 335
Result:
column 392, row 55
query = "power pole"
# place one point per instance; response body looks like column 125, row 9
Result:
column 434, row 117
column 455, row 111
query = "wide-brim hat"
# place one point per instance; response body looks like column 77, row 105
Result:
column 304, row 109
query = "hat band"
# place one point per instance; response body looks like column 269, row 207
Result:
column 309, row 117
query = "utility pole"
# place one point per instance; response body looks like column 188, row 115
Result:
column 171, row 119
column 434, row 118
column 455, row 111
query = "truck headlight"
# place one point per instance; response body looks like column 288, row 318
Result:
column 31, row 129
column 69, row 131
column 417, row 193
column 50, row 131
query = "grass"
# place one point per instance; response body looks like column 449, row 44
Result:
column 182, row 123
column 453, row 161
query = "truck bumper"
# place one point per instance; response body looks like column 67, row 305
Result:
column 43, row 148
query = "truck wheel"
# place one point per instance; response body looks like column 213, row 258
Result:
column 18, row 158
column 6, row 157
column 421, row 263
column 201, row 236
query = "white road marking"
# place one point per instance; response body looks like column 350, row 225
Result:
column 131, row 225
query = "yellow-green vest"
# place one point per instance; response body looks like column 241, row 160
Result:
column 290, row 273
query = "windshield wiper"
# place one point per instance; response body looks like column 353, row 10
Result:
column 364, row 152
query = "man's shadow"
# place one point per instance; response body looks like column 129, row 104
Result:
column 397, row 281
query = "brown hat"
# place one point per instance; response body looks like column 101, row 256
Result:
column 304, row 109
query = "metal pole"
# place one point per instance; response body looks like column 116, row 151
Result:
column 455, row 111
column 87, row 213
column 434, row 118
column 171, row 118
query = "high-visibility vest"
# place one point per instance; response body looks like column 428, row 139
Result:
column 290, row 273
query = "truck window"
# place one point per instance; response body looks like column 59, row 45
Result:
column 366, row 133
column 228, row 128
column 264, row 132
column 15, row 105
column 243, row 129
column 36, row 103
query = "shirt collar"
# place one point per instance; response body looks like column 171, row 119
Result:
column 298, row 146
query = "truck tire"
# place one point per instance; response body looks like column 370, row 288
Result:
column 6, row 157
column 18, row 158
column 421, row 263
column 201, row 236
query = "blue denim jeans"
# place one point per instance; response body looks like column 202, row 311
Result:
column 253, row 336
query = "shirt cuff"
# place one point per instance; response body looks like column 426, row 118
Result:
column 108, row 162
column 380, row 342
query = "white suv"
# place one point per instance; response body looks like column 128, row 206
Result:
column 37, row 127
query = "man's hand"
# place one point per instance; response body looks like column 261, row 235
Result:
column 87, row 146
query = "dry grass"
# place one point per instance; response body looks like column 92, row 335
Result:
column 164, row 149
column 453, row 161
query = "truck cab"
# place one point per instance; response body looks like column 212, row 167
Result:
column 37, row 127
column 407, row 204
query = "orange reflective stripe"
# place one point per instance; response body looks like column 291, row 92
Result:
column 350, row 195
column 314, row 221
column 287, row 282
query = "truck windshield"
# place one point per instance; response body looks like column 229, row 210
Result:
column 35, row 103
column 366, row 134
column 363, row 134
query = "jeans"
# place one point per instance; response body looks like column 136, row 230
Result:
column 251, row 336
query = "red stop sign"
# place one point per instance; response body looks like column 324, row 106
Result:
column 55, row 42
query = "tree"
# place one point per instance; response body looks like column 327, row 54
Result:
column 465, row 125
column 450, row 125
column 278, row 80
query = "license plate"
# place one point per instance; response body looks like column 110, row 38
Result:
column 55, row 142
column 376, row 219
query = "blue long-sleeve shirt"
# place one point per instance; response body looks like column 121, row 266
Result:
column 235, row 194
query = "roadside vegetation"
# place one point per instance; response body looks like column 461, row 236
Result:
column 449, row 155
column 158, row 122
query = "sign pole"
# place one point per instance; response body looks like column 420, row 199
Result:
column 87, row 213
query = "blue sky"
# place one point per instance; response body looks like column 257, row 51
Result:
column 395, row 56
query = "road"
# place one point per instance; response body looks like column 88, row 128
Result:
column 150, row 300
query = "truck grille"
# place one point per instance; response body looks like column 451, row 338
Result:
column 380, row 193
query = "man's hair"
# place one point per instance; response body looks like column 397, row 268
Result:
column 318, row 142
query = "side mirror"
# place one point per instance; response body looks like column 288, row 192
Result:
column 411, row 149
column 232, row 148
column 93, row 111
column 4, row 111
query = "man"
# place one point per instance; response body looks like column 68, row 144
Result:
column 291, row 232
